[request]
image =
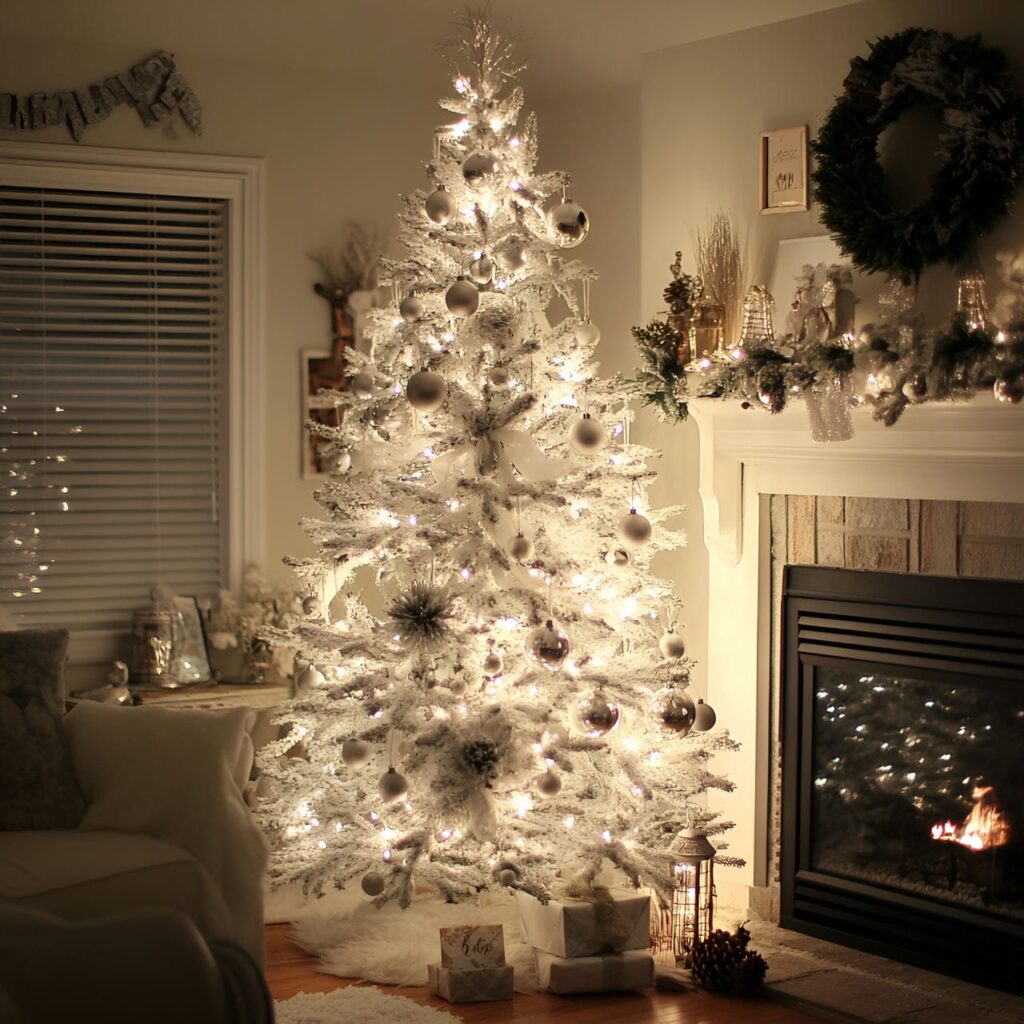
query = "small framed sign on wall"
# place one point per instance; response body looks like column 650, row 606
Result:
column 782, row 187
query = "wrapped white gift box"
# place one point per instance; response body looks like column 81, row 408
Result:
column 570, row 927
column 612, row 972
column 471, row 985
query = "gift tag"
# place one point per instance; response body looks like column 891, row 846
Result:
column 473, row 946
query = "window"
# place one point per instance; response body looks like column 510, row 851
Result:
column 122, row 366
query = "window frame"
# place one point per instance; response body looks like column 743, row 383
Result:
column 239, row 181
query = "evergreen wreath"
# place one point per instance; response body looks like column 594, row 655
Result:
column 981, row 151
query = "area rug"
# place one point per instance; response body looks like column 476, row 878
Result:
column 356, row 1005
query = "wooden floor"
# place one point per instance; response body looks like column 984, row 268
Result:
column 290, row 970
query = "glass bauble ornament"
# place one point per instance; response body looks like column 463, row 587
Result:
column 915, row 388
column 548, row 784
column 499, row 377
column 355, row 753
column 617, row 558
column 362, row 385
column 311, row 605
column 671, row 644
column 411, row 307
column 634, row 530
column 481, row 269
column 596, row 715
column 462, row 298
column 426, row 391
column 569, row 223
column 487, row 456
column 493, row 663
column 587, row 333
column 479, row 170
column 1008, row 391
column 519, row 548
column 674, row 710
column 392, row 786
column 440, row 206
column 507, row 877
column 309, row 679
column 704, row 717
column 587, row 435
column 547, row 646
column 513, row 255
column 372, row 883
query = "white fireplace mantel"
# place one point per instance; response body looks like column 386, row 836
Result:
column 962, row 451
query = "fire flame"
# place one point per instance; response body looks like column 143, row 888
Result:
column 982, row 829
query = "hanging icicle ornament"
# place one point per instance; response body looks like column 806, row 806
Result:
column 704, row 717
column 393, row 786
column 440, row 206
column 420, row 616
column 310, row 678
column 410, row 308
column 634, row 530
column 362, row 385
column 462, row 298
column 481, row 269
column 674, row 710
column 547, row 646
column 311, row 605
column 372, row 883
column 671, row 644
column 596, row 715
column 426, row 391
column 479, row 170
column 548, row 784
column 355, row 752
column 568, row 223
column 499, row 377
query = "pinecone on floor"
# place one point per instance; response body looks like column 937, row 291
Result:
column 722, row 963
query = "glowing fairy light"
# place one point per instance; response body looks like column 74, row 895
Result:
column 462, row 84
column 570, row 821
column 514, row 141
column 460, row 128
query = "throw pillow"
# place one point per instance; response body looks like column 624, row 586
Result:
column 38, row 789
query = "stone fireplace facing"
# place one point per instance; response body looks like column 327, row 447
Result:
column 940, row 495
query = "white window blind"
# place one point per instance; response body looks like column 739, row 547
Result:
column 113, row 400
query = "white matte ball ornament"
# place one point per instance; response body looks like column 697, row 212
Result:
column 569, row 224
column 617, row 558
column 634, row 530
column 587, row 436
column 548, row 784
column 547, row 646
column 479, row 170
column 392, row 786
column 411, row 307
column 309, row 679
column 481, row 269
column 426, row 391
column 704, row 717
column 506, row 876
column 341, row 462
column 373, row 883
column 671, row 644
column 587, row 333
column 492, row 663
column 440, row 206
column 362, row 385
column 499, row 377
column 462, row 298
column 355, row 753
column 311, row 605
column 519, row 548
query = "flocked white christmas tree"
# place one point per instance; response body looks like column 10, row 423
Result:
column 496, row 691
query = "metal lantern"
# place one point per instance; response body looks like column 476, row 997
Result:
column 694, row 894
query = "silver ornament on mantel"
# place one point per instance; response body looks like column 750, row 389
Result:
column 355, row 753
column 481, row 269
column 410, row 308
column 426, row 391
column 440, row 206
column 587, row 435
column 392, row 786
column 362, row 385
column 674, row 710
column 519, row 548
column 372, row 883
column 462, row 298
column 587, row 333
column 704, row 717
column 480, row 169
column 547, row 646
column 634, row 530
column 548, row 784
column 596, row 715
column 569, row 224
column 671, row 644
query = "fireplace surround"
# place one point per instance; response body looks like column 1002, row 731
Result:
column 902, row 702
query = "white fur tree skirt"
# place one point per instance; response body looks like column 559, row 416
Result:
column 349, row 1005
column 390, row 946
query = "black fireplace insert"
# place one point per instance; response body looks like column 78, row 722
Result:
column 902, row 705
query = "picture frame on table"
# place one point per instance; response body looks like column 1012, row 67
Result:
column 190, row 654
column 784, row 169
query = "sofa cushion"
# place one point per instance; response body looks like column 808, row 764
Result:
column 38, row 789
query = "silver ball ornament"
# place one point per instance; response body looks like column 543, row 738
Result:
column 548, row 784
column 311, row 605
column 309, row 679
column 440, row 206
column 547, row 646
column 355, row 753
column 1006, row 391
column 634, row 530
column 596, row 715
column 493, row 663
column 499, row 377
column 341, row 462
column 569, row 224
column 479, row 169
column 373, row 883
column 426, row 391
column 506, row 876
column 462, row 298
column 587, row 333
column 671, row 644
column 704, row 717
column 519, row 548
column 674, row 710
column 362, row 385
column 392, row 786
column 587, row 435
column 617, row 558
column 481, row 269
column 411, row 307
